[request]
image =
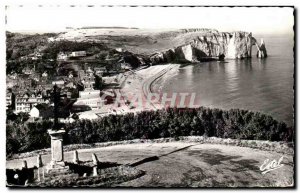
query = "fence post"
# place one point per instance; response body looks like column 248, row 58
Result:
column 95, row 164
column 75, row 158
column 39, row 165
column 24, row 164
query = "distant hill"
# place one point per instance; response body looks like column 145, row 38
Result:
column 143, row 45
column 139, row 41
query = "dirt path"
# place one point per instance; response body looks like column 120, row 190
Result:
column 189, row 164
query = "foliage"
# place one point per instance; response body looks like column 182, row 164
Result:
column 18, row 45
column 69, row 46
column 98, row 82
column 172, row 122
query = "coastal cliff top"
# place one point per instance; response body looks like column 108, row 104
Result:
column 140, row 41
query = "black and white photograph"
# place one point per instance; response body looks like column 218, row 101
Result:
column 164, row 97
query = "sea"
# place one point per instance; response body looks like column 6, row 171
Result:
column 262, row 85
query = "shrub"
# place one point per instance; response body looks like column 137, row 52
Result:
column 171, row 122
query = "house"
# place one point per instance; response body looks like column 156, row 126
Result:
column 10, row 99
column 22, row 58
column 81, row 74
column 70, row 85
column 13, row 76
column 39, row 111
column 27, row 71
column 78, row 54
column 59, row 81
column 45, row 74
column 62, row 56
column 89, row 72
column 44, row 111
column 88, row 115
column 51, row 39
column 71, row 75
column 88, row 82
column 66, row 92
column 119, row 49
column 110, row 80
column 93, row 103
column 89, row 93
column 10, row 82
column 100, row 71
column 35, row 77
column 24, row 102
column 126, row 66
column 90, row 98
column 35, row 56
column 23, row 82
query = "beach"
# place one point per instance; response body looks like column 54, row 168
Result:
column 139, row 83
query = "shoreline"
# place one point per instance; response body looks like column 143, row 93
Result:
column 140, row 82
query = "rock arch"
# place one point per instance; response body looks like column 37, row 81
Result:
column 261, row 49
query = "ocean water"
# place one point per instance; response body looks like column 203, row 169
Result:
column 263, row 85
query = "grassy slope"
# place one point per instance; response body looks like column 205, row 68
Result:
column 136, row 40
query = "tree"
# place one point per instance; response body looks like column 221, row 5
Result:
column 98, row 82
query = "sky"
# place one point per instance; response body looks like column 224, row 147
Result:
column 272, row 20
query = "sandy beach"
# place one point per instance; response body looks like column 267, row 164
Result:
column 139, row 83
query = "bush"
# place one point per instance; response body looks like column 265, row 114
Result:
column 172, row 122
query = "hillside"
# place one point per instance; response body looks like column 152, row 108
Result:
column 169, row 45
column 134, row 46
column 140, row 41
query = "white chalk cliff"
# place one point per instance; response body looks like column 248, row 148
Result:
column 211, row 45
column 172, row 45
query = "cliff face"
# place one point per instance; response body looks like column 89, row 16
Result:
column 166, row 45
column 209, row 46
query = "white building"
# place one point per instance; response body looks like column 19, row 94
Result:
column 89, row 93
column 9, row 99
column 119, row 49
column 45, row 74
column 34, row 112
column 62, row 56
column 93, row 103
column 25, row 102
column 22, row 104
column 78, row 54
column 88, row 115
column 58, row 82
column 90, row 98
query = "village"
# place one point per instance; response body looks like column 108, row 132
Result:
column 81, row 88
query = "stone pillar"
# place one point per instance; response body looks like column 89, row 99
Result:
column 95, row 164
column 39, row 161
column 262, row 51
column 39, row 164
column 57, row 154
column 75, row 158
column 24, row 164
